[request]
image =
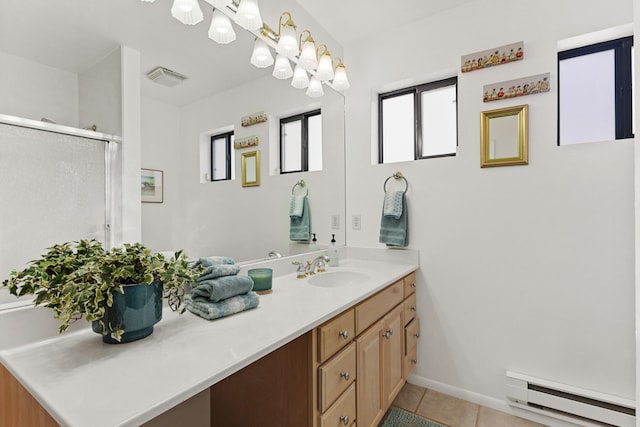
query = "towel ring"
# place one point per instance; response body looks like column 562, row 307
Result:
column 302, row 184
column 397, row 176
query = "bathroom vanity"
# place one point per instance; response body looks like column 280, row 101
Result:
column 310, row 354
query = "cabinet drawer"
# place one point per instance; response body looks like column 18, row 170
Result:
column 410, row 361
column 335, row 334
column 343, row 412
column 369, row 311
column 410, row 308
column 336, row 376
column 411, row 335
column 409, row 284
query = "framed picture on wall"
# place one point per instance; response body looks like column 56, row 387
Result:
column 151, row 181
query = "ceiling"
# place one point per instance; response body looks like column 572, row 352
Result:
column 73, row 35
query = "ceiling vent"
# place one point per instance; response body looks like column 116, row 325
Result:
column 165, row 77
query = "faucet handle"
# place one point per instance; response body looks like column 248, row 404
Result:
column 301, row 273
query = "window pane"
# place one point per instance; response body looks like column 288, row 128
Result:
column 398, row 135
column 439, row 123
column 219, row 153
column 587, row 98
column 314, row 128
column 292, row 146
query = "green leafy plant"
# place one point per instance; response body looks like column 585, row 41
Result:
column 79, row 278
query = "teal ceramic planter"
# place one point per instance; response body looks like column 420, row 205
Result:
column 135, row 312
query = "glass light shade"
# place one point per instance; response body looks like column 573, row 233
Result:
column 300, row 78
column 315, row 88
column 218, row 4
column 308, row 58
column 340, row 80
column 187, row 11
column 149, row 1
column 261, row 56
column 288, row 43
column 248, row 15
column 221, row 30
column 282, row 69
column 325, row 68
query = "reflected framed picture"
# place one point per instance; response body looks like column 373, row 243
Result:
column 151, row 185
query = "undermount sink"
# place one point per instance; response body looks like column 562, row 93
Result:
column 334, row 279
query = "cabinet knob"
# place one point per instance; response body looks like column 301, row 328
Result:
column 414, row 361
column 345, row 375
column 417, row 335
column 388, row 333
column 413, row 309
column 413, row 285
column 344, row 334
column 344, row 419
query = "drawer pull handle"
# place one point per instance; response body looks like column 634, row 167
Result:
column 345, row 375
column 344, row 334
column 388, row 333
column 344, row 419
column 417, row 335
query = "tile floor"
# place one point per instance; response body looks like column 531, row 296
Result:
column 454, row 412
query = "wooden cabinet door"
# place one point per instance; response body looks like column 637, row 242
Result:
column 370, row 407
column 393, row 353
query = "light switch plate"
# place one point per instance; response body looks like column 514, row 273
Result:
column 356, row 221
column 335, row 222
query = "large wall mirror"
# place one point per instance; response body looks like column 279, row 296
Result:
column 504, row 137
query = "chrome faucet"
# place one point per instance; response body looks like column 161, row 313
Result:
column 275, row 254
column 317, row 264
column 301, row 273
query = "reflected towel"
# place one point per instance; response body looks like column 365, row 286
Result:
column 393, row 204
column 296, row 206
column 394, row 231
column 219, row 270
column 222, row 287
column 214, row 310
column 210, row 261
column 300, row 227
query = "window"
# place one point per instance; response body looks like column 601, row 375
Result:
column 222, row 157
column 595, row 92
column 301, row 142
column 418, row 122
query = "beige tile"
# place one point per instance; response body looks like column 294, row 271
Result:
column 448, row 410
column 488, row 417
column 409, row 397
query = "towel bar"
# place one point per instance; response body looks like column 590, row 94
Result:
column 302, row 184
column 397, row 176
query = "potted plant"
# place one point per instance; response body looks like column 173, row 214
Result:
column 119, row 290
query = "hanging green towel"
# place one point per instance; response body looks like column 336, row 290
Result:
column 214, row 310
column 395, row 231
column 222, row 288
column 300, row 227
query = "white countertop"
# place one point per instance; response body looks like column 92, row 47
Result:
column 81, row 381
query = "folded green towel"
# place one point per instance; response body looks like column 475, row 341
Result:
column 300, row 227
column 214, row 310
column 222, row 288
column 394, row 231
column 219, row 270
column 211, row 260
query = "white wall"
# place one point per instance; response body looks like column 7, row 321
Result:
column 101, row 95
column 33, row 91
column 246, row 223
column 161, row 150
column 523, row 268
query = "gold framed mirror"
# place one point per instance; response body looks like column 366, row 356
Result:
column 251, row 169
column 504, row 137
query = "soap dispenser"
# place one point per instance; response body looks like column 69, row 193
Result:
column 314, row 244
column 332, row 252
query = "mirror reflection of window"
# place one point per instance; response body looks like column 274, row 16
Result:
column 504, row 137
column 222, row 157
column 301, row 142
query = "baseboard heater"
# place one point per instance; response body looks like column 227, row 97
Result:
column 568, row 403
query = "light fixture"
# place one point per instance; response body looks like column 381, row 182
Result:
column 221, row 30
column 187, row 11
column 300, row 78
column 287, row 37
column 325, row 65
column 261, row 56
column 218, row 4
column 282, row 69
column 315, row 88
column 248, row 15
column 308, row 56
column 340, row 80
column 148, row 1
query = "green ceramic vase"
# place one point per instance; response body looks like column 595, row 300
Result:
column 135, row 312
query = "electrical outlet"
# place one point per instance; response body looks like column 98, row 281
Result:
column 335, row 222
column 356, row 221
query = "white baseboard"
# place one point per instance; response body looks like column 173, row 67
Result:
column 487, row 401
